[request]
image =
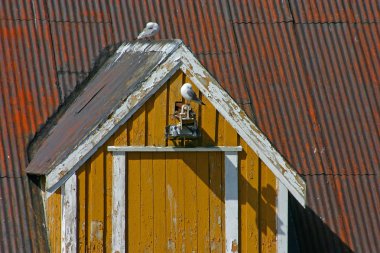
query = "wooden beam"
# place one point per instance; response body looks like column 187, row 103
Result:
column 118, row 202
column 231, row 201
column 282, row 218
column 69, row 215
column 174, row 149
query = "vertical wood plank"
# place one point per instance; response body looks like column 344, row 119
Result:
column 190, row 163
column 208, row 124
column 133, row 207
column 220, row 129
column 282, row 218
column 231, row 201
column 82, row 221
column 160, row 116
column 182, row 181
column 172, row 219
column 95, row 216
column 249, row 199
column 203, row 202
column 118, row 202
column 267, row 210
column 146, row 203
column 69, row 215
column 216, row 202
column 53, row 215
column 136, row 136
column 174, row 86
column 159, row 177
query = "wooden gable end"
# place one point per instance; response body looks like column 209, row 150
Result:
column 174, row 201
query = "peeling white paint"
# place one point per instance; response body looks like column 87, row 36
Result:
column 118, row 201
column 69, row 215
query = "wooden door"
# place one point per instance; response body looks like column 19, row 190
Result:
column 175, row 202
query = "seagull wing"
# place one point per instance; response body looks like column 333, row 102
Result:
column 193, row 96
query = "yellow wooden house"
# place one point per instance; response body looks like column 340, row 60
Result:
column 116, row 178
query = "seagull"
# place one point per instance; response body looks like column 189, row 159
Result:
column 188, row 93
column 150, row 30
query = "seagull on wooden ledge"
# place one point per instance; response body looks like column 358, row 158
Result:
column 188, row 94
column 150, row 30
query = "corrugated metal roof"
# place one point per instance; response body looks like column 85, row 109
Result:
column 261, row 11
column 306, row 71
column 335, row 11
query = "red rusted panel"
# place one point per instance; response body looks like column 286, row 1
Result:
column 260, row 11
column 323, row 11
column 77, row 48
column 343, row 83
column 78, row 11
column 278, row 92
column 22, row 10
column 29, row 93
column 312, row 88
column 21, row 217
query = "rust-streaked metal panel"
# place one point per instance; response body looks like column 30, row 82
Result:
column 22, row 227
column 23, row 10
column 78, row 48
column 28, row 89
column 260, row 11
column 337, row 218
column 83, row 11
column 280, row 99
column 342, row 64
column 334, row 11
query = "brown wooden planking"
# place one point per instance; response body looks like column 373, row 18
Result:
column 53, row 215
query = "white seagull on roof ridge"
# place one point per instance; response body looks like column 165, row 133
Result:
column 188, row 94
column 150, row 30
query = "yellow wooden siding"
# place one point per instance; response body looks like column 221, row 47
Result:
column 175, row 200
column 53, row 216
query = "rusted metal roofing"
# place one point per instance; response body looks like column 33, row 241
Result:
column 335, row 11
column 306, row 71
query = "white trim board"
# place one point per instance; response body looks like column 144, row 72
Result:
column 220, row 99
column 173, row 149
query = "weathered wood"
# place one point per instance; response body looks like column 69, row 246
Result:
column 69, row 215
column 231, row 202
column 118, row 202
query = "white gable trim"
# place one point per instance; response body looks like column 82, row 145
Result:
column 227, row 107
column 244, row 126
